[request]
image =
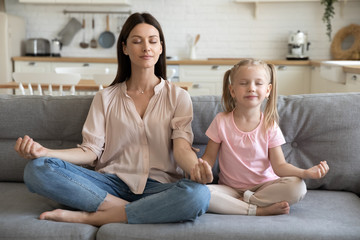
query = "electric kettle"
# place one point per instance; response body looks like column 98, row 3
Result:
column 56, row 46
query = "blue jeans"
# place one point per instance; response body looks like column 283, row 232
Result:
column 85, row 190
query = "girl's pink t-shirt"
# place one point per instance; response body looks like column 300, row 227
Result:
column 244, row 156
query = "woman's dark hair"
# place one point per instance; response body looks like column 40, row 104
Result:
column 124, row 64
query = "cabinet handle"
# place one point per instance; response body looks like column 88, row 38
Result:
column 282, row 68
column 32, row 63
column 86, row 65
column 215, row 67
column 196, row 85
column 354, row 78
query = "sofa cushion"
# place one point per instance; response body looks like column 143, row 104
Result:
column 324, row 127
column 19, row 212
column 55, row 122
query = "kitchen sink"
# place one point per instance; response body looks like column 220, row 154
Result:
column 333, row 70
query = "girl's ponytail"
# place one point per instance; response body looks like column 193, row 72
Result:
column 271, row 113
column 228, row 102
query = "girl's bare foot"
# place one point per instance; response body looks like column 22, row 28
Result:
column 275, row 209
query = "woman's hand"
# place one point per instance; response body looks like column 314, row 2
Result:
column 29, row 149
column 202, row 172
column 317, row 171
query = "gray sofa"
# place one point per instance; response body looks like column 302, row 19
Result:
column 316, row 127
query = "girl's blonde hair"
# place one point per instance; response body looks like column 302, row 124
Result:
column 229, row 104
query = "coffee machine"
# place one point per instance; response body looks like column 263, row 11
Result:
column 298, row 46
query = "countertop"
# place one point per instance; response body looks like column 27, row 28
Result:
column 210, row 61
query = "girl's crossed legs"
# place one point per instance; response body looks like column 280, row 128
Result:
column 270, row 198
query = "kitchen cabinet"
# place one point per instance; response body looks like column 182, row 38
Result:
column 110, row 66
column 208, row 79
column 115, row 2
column 72, row 2
column 36, row 66
column 37, row 1
column 293, row 79
column 32, row 66
column 353, row 82
column 122, row 2
column 318, row 83
column 322, row 85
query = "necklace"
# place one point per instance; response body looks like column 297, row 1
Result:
column 141, row 91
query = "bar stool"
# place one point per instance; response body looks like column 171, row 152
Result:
column 48, row 78
column 104, row 79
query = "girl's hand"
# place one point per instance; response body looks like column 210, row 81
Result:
column 29, row 149
column 318, row 171
column 202, row 172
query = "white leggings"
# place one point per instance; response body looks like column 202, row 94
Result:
column 227, row 200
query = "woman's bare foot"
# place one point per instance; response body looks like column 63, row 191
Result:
column 110, row 211
column 60, row 215
column 275, row 209
column 116, row 215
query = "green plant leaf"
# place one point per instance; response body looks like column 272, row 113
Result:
column 328, row 15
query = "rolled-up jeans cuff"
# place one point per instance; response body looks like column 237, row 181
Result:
column 252, row 210
column 247, row 195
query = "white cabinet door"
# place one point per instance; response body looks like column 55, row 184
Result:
column 32, row 66
column 318, row 84
column 115, row 2
column 37, row 1
column 121, row 2
column 293, row 79
column 353, row 82
column 73, row 1
column 112, row 67
column 321, row 85
column 86, row 70
column 90, row 68
column 206, row 79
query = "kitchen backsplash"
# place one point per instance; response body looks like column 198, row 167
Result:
column 227, row 29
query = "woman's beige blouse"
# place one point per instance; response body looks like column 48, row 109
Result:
column 136, row 148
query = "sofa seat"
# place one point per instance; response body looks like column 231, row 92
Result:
column 315, row 217
column 19, row 212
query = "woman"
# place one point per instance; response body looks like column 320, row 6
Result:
column 137, row 135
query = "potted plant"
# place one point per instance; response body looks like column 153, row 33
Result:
column 328, row 15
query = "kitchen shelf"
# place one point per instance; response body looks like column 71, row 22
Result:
column 257, row 2
column 275, row 1
column 98, row 12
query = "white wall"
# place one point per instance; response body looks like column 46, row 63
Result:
column 227, row 29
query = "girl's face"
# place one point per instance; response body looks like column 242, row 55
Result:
column 143, row 46
column 250, row 85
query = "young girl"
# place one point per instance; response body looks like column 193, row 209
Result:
column 254, row 177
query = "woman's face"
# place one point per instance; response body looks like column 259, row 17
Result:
column 143, row 46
